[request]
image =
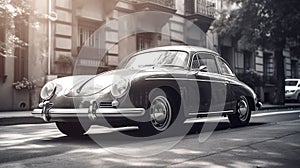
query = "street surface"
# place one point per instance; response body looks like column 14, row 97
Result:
column 272, row 140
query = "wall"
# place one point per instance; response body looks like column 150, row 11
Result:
column 6, row 88
column 6, row 96
column 92, row 9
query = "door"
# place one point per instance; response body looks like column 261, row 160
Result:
column 211, row 88
column 230, row 79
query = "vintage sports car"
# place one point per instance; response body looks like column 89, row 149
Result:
column 152, row 89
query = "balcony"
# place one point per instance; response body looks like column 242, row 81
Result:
column 156, row 5
column 201, row 7
column 201, row 12
column 166, row 3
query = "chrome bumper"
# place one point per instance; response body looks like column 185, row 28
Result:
column 258, row 105
column 59, row 113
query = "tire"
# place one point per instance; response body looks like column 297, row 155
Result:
column 73, row 129
column 298, row 98
column 162, row 113
column 242, row 113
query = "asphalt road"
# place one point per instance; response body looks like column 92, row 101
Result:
column 42, row 145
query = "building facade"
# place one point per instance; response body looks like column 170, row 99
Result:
column 256, row 67
column 63, row 40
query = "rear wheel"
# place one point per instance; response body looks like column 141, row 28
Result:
column 72, row 128
column 242, row 113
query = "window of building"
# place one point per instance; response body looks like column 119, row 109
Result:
column 268, row 65
column 189, row 6
column 248, row 60
column 294, row 68
column 21, row 51
column 145, row 41
column 86, row 34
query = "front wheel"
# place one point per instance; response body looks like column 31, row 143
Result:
column 73, row 129
column 163, row 112
column 242, row 113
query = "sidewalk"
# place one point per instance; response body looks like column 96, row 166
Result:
column 25, row 117
column 286, row 106
column 18, row 117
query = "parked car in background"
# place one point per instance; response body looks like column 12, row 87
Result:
column 292, row 89
column 152, row 89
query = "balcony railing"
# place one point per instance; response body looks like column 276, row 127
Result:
column 202, row 7
column 206, row 8
column 166, row 3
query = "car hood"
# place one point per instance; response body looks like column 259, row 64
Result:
column 86, row 85
column 291, row 87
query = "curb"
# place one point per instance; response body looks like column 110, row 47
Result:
column 20, row 120
column 280, row 107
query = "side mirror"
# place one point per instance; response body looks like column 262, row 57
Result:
column 299, row 85
column 203, row 68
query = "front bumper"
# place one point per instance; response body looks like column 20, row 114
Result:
column 291, row 96
column 56, row 114
column 258, row 105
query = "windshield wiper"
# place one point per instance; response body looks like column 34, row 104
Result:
column 171, row 65
column 146, row 65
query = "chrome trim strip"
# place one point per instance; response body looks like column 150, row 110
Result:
column 62, row 113
column 198, row 80
column 123, row 112
column 83, row 112
column 213, row 112
column 203, row 120
column 37, row 112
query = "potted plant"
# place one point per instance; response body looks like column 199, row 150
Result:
column 22, row 94
column 24, row 84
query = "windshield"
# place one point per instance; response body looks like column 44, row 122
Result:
column 157, row 58
column 291, row 83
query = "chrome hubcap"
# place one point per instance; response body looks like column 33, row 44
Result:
column 243, row 109
column 160, row 113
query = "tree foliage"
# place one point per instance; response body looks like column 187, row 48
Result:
column 270, row 24
column 266, row 23
column 12, row 12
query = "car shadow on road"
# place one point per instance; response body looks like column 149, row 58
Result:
column 134, row 135
column 37, row 143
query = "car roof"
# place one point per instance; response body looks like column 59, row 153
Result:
column 292, row 79
column 180, row 48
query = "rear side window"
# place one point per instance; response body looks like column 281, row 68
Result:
column 224, row 68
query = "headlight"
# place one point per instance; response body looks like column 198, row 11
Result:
column 290, row 91
column 119, row 88
column 48, row 91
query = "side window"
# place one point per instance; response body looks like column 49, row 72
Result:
column 196, row 62
column 205, row 59
column 224, row 68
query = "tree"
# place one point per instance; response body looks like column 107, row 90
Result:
column 12, row 12
column 270, row 24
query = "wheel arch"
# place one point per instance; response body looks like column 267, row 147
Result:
column 251, row 102
column 170, row 91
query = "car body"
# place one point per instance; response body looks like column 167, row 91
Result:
column 154, row 89
column 292, row 89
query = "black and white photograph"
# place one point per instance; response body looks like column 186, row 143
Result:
column 149, row 83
